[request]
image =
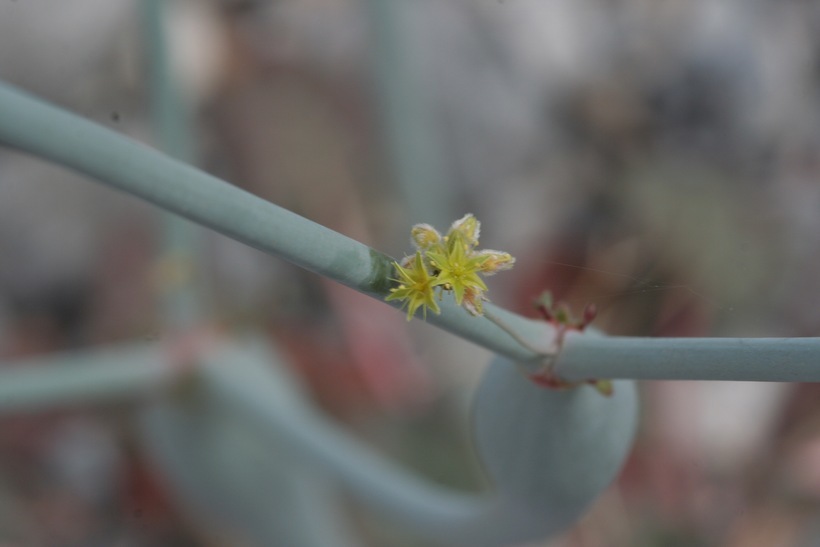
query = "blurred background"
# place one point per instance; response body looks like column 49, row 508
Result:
column 658, row 159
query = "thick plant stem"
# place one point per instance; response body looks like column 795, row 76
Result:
column 741, row 359
column 35, row 127
column 539, row 486
column 500, row 323
column 84, row 377
column 41, row 129
column 180, row 300
column 406, row 115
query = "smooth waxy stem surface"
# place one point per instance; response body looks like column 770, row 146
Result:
column 550, row 453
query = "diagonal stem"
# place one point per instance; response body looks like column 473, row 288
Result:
column 44, row 130
column 38, row 128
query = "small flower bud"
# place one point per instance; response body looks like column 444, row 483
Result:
column 469, row 228
column 473, row 301
column 424, row 237
column 495, row 261
column 544, row 306
column 590, row 311
column 604, row 387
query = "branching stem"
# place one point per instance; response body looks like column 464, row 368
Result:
column 517, row 337
column 49, row 132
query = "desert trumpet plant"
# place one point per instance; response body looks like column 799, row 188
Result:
column 548, row 452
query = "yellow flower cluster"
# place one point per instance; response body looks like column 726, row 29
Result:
column 448, row 263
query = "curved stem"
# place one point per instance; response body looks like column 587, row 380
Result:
column 249, row 378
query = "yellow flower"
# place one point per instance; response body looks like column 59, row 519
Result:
column 416, row 287
column 457, row 270
column 448, row 263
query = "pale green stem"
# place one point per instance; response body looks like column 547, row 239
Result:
column 408, row 122
column 515, row 336
column 753, row 359
column 33, row 126
column 171, row 122
column 41, row 129
column 83, row 377
column 243, row 376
